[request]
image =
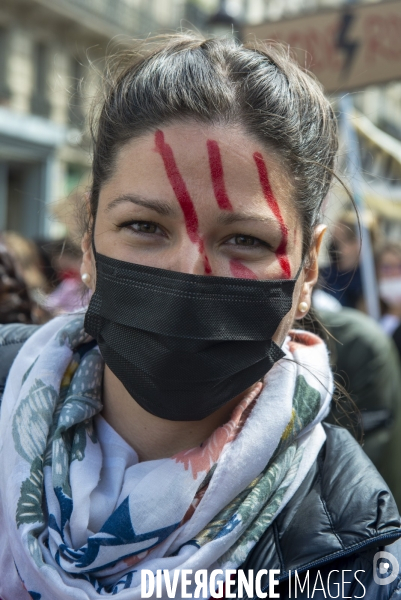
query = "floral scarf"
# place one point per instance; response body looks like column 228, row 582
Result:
column 80, row 516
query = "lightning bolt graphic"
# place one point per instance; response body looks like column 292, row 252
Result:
column 349, row 47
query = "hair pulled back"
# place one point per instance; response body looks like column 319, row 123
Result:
column 257, row 86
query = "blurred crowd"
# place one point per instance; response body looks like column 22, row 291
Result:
column 341, row 277
column 365, row 354
column 40, row 279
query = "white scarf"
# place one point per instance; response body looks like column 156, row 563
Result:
column 80, row 517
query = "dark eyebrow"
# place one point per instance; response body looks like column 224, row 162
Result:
column 163, row 208
column 228, row 218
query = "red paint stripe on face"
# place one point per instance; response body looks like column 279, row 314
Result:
column 239, row 270
column 281, row 252
column 206, row 263
column 181, row 192
column 216, row 170
column 283, row 259
column 179, row 187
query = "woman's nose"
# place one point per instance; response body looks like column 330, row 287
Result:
column 192, row 259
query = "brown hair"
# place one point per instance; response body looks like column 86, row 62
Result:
column 220, row 81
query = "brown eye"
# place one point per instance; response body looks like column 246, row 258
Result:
column 245, row 240
column 145, row 227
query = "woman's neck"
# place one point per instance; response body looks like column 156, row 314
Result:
column 150, row 436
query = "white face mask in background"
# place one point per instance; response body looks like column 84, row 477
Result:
column 390, row 290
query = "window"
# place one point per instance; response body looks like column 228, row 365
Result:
column 4, row 50
column 40, row 104
column 76, row 115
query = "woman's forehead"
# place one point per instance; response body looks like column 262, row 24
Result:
column 216, row 163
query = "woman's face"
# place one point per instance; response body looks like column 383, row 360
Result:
column 389, row 275
column 347, row 245
column 202, row 200
column 389, row 265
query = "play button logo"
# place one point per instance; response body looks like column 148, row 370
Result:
column 385, row 568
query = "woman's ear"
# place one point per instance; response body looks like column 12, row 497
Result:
column 88, row 264
column 310, row 272
column 88, row 268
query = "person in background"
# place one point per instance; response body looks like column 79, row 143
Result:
column 27, row 256
column 365, row 362
column 365, row 359
column 27, row 259
column 16, row 305
column 65, row 260
column 342, row 277
column 22, row 255
column 388, row 266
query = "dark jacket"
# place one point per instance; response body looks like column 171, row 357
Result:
column 340, row 517
column 365, row 361
column 397, row 340
column 345, row 286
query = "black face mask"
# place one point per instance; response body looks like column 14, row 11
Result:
column 184, row 345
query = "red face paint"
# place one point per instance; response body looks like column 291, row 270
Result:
column 206, row 263
column 239, row 270
column 216, row 170
column 182, row 195
column 179, row 187
column 281, row 252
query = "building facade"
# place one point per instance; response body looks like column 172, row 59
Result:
column 51, row 61
column 51, row 58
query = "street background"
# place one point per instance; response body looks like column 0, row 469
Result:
column 51, row 61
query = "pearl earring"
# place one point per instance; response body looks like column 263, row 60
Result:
column 86, row 278
column 303, row 307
